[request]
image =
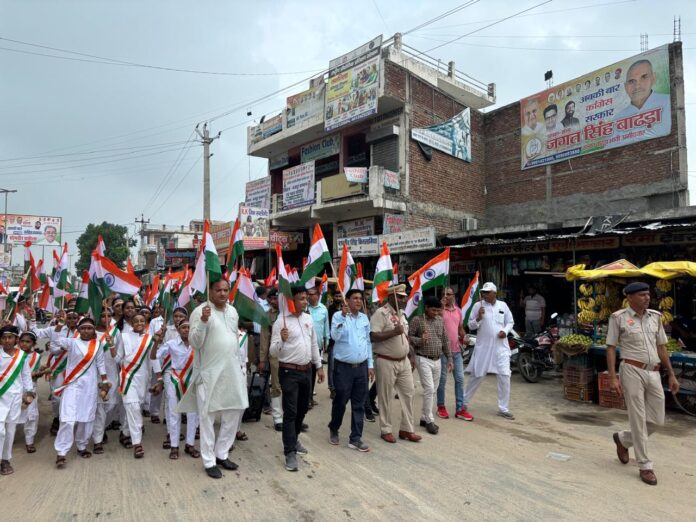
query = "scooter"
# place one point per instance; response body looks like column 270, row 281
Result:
column 535, row 355
column 513, row 341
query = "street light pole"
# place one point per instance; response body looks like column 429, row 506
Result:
column 4, row 235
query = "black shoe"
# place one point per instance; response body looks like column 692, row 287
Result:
column 423, row 423
column 227, row 464
column 278, row 427
column 214, row 472
column 54, row 426
column 369, row 416
column 374, row 408
column 304, row 428
column 432, row 428
column 146, row 413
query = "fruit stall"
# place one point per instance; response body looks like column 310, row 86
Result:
column 599, row 294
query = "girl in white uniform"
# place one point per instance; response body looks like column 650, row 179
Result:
column 30, row 415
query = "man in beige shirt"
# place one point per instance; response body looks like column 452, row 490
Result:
column 639, row 333
column 393, row 368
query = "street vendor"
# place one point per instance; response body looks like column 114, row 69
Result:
column 641, row 336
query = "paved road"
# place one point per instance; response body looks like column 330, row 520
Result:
column 486, row 470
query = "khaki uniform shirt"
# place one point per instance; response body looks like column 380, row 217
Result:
column 265, row 336
column 638, row 337
column 383, row 320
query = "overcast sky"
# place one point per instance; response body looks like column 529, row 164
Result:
column 130, row 125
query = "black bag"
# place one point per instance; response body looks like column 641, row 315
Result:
column 257, row 394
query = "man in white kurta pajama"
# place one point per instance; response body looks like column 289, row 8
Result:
column 217, row 384
column 492, row 321
column 79, row 392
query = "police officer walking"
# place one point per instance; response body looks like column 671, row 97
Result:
column 641, row 336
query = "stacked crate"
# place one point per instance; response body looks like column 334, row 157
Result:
column 607, row 397
column 578, row 379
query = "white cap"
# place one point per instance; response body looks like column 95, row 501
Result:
column 488, row 287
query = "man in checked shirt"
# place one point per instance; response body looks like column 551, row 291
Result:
column 429, row 341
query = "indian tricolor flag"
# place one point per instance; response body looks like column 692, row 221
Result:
column 272, row 279
column 384, row 273
column 82, row 302
column 243, row 298
column 414, row 305
column 318, row 256
column 324, row 289
column 129, row 266
column 359, row 282
column 60, row 278
column 434, row 273
column 235, row 252
column 112, row 277
column 207, row 266
column 286, row 304
column 346, row 271
column 470, row 297
column 101, row 246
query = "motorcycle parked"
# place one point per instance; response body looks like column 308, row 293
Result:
column 536, row 356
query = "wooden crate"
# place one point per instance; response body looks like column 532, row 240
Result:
column 579, row 392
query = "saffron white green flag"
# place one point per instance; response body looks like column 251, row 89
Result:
column 434, row 273
column 383, row 275
column 207, row 266
column 243, row 298
column 82, row 302
column 469, row 298
column 346, row 271
column 318, row 256
column 414, row 305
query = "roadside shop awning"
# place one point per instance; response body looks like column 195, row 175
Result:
column 626, row 269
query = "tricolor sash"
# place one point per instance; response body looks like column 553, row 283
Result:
column 80, row 368
column 8, row 377
column 129, row 371
column 60, row 361
column 35, row 362
column 166, row 362
column 182, row 379
column 112, row 333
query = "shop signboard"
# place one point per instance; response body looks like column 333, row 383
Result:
column 543, row 247
column 410, row 240
column 286, row 240
column 323, row 148
column 620, row 104
column 351, row 91
column 258, row 193
column 452, row 137
column 221, row 235
column 298, row 186
column 356, row 228
column 254, row 226
column 306, row 108
column 279, row 161
column 40, row 230
column 392, row 223
column 355, row 174
column 180, row 256
column 392, row 179
column 673, row 237
column 363, row 246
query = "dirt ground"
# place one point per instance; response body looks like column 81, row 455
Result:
column 488, row 469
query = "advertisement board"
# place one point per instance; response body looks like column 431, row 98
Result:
column 351, row 92
column 356, row 227
column 359, row 246
column 254, row 225
column 323, row 148
column 298, row 186
column 355, row 174
column 410, row 240
column 392, row 179
column 620, row 104
column 40, row 230
column 452, row 137
column 264, row 130
column 286, row 240
column 279, row 161
column 393, row 223
column 306, row 108
column 221, row 235
column 258, row 193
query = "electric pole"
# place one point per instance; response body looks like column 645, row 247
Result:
column 206, row 140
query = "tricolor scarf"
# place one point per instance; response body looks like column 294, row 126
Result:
column 129, row 371
column 182, row 379
column 81, row 367
column 8, row 377
column 166, row 362
column 112, row 333
column 34, row 362
column 60, row 361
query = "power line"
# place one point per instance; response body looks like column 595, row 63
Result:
column 112, row 61
column 517, row 47
column 176, row 187
column 379, row 12
column 441, row 16
column 546, row 36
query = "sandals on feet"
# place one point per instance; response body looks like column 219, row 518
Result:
column 6, row 468
column 85, row 454
column 138, row 451
column 60, row 462
column 125, row 441
column 191, row 450
column 154, row 419
column 31, row 448
column 174, row 453
column 241, row 436
column 98, row 448
column 166, row 444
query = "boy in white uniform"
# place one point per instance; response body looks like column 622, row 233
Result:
column 30, row 415
column 107, row 406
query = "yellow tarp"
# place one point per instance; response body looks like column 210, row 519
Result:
column 626, row 269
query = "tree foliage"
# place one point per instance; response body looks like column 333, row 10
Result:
column 117, row 241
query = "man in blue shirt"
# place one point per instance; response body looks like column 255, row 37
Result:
column 320, row 317
column 352, row 350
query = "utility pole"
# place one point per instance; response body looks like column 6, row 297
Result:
column 206, row 140
column 4, row 223
column 142, row 222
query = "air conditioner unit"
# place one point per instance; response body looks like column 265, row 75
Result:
column 469, row 224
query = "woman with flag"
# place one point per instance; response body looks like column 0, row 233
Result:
column 178, row 355
column 78, row 393
column 132, row 357
column 16, row 390
column 108, row 406
column 30, row 415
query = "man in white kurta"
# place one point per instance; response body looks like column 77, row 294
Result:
column 492, row 320
column 78, row 404
column 218, row 385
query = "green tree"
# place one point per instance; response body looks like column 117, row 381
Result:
column 115, row 237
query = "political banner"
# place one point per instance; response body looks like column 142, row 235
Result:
column 452, row 137
column 40, row 230
column 298, row 186
column 620, row 104
column 306, row 108
column 254, row 224
column 258, row 193
column 351, row 92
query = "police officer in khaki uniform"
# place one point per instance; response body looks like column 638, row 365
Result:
column 393, row 368
column 639, row 333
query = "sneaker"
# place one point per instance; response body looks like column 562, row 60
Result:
column 442, row 412
column 299, row 448
column 359, row 445
column 506, row 415
column 333, row 438
column 464, row 415
column 369, row 416
column 291, row 461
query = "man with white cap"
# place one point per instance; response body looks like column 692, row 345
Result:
column 492, row 321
